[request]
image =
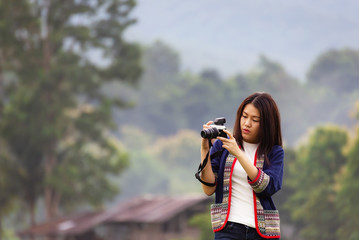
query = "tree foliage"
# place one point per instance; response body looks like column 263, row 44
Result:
column 57, row 117
column 57, row 103
column 348, row 188
column 308, row 201
column 336, row 69
column 203, row 222
column 188, row 100
column 164, row 165
column 8, row 188
column 172, row 100
column 313, row 180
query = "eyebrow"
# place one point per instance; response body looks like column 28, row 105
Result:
column 252, row 116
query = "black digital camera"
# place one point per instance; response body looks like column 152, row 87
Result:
column 216, row 129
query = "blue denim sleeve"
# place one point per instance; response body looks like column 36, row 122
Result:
column 269, row 181
column 217, row 146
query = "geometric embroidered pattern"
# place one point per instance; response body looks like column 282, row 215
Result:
column 219, row 211
column 267, row 221
column 261, row 182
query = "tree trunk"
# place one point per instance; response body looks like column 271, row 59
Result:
column 1, row 85
column 32, row 212
column 46, row 51
column 50, row 199
column 30, row 201
column 50, row 158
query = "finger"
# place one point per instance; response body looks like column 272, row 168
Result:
column 222, row 139
column 228, row 133
column 205, row 126
column 225, row 146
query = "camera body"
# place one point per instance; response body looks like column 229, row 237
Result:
column 216, row 129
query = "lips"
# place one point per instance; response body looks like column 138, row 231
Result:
column 246, row 131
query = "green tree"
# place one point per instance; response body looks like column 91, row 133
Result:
column 282, row 197
column 348, row 188
column 162, row 65
column 144, row 171
column 333, row 86
column 336, row 70
column 8, row 172
column 313, row 179
column 179, row 155
column 201, row 100
column 155, row 110
column 291, row 96
column 203, row 223
column 170, row 100
column 211, row 74
column 160, row 165
column 57, row 117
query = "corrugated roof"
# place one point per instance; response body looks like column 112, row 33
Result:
column 144, row 209
column 154, row 208
column 73, row 225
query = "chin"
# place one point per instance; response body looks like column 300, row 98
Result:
column 250, row 140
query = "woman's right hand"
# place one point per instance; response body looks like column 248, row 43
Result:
column 205, row 144
column 207, row 173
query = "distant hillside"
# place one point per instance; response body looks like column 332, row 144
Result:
column 230, row 35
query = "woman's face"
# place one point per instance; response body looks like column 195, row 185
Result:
column 250, row 120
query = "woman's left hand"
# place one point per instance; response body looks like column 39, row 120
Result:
column 230, row 144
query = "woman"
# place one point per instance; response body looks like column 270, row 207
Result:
column 246, row 173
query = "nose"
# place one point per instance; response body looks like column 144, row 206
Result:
column 247, row 122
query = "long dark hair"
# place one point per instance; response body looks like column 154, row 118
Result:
column 270, row 132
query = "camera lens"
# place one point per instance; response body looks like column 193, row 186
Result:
column 210, row 133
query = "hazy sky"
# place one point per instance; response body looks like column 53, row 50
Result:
column 229, row 35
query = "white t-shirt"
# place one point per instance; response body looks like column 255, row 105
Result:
column 242, row 205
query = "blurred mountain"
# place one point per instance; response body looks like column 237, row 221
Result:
column 230, row 35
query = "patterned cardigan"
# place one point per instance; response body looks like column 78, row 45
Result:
column 267, row 182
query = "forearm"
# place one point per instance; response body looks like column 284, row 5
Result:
column 247, row 165
column 207, row 174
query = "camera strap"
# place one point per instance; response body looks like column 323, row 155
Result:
column 203, row 165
